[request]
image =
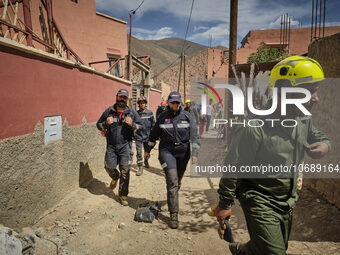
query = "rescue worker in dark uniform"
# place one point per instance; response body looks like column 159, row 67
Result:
column 119, row 123
column 142, row 136
column 160, row 109
column 268, row 203
column 175, row 128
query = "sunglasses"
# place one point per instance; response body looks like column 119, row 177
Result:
column 175, row 102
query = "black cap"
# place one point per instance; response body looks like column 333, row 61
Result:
column 174, row 97
column 123, row 92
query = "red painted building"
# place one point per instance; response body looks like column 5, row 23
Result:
column 58, row 89
column 50, row 100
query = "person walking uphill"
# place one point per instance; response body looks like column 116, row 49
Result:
column 142, row 136
column 175, row 128
column 119, row 121
column 268, row 203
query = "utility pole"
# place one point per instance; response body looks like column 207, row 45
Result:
column 184, row 77
column 132, row 12
column 180, row 72
column 232, row 61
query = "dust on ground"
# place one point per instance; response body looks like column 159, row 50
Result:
column 91, row 220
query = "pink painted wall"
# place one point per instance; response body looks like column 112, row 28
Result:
column 38, row 87
column 299, row 40
column 90, row 35
column 155, row 99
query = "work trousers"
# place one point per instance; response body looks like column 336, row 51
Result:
column 139, row 154
column 119, row 155
column 208, row 123
column 268, row 229
column 174, row 163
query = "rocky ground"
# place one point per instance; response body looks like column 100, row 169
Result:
column 91, row 220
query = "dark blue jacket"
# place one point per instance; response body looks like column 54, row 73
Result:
column 159, row 111
column 172, row 129
column 119, row 133
column 148, row 122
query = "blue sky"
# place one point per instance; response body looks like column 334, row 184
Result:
column 158, row 19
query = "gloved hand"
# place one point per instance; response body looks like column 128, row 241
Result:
column 224, row 230
column 221, row 228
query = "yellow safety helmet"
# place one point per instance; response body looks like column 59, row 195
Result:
column 187, row 101
column 298, row 70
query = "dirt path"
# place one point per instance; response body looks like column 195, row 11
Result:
column 92, row 221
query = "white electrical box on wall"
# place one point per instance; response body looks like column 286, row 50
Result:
column 53, row 128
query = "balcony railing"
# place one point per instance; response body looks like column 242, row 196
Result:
column 21, row 31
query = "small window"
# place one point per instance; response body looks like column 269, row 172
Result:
column 117, row 69
column 74, row 1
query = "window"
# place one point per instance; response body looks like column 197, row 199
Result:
column 117, row 69
column 75, row 1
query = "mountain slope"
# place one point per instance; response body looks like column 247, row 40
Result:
column 175, row 45
column 160, row 57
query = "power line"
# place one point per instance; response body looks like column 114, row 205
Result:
column 186, row 32
column 134, row 11
column 182, row 52
column 167, row 67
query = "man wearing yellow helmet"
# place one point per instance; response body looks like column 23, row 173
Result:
column 267, row 203
column 192, row 110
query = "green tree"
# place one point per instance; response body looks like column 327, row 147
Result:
column 266, row 53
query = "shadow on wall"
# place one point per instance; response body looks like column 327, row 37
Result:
column 85, row 175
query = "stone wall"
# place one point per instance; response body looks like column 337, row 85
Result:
column 326, row 115
column 196, row 67
column 206, row 64
column 165, row 90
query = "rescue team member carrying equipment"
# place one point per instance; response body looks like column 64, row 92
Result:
column 119, row 121
column 142, row 136
column 175, row 128
column 268, row 203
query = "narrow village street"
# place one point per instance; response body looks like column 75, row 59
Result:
column 91, row 220
column 81, row 79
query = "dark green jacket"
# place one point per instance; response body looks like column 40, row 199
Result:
column 268, row 145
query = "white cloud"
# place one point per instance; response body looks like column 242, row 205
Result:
column 252, row 15
column 197, row 28
column 277, row 22
column 146, row 34
column 218, row 32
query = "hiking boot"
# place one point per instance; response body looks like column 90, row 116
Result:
column 123, row 200
column 146, row 163
column 173, row 220
column 140, row 171
column 113, row 184
column 238, row 248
